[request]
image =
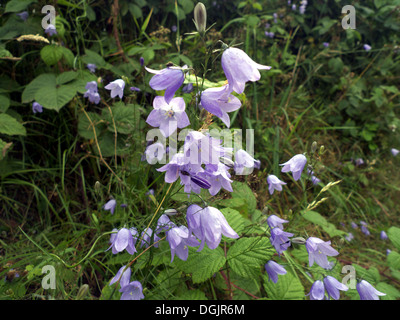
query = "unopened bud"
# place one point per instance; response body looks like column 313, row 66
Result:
column 200, row 18
column 97, row 186
column 314, row 146
column 83, row 290
column 321, row 150
column 170, row 212
column 298, row 240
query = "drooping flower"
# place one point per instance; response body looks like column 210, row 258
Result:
column 132, row 291
column 23, row 15
column 354, row 225
column 274, row 221
column 218, row 177
column 146, row 237
column 136, row 89
column 141, row 60
column 325, row 44
column 244, row 162
column 367, row 47
column 240, row 68
column 154, row 152
column 315, row 180
column 388, row 251
column 219, row 101
column 270, row 34
column 179, row 240
column 333, row 286
column 359, row 162
column 317, row 291
column 364, row 228
column 273, row 269
column 122, row 240
column 50, row 30
column 188, row 88
column 169, row 79
column 394, row 152
column 116, row 87
column 110, row 206
column 124, row 275
column 92, row 67
column 168, row 116
column 295, row 165
column 280, row 239
column 91, row 92
column 349, row 237
column 318, row 251
column 208, row 225
column 367, row 291
column 36, row 107
column 383, row 235
column 274, row 183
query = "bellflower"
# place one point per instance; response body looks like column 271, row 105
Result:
column 274, row 183
column 155, row 151
column 388, row 251
column 315, row 180
column 36, row 107
column 280, row 239
column 383, row 235
column 354, row 225
column 219, row 101
column 273, row 269
column 23, row 15
column 240, row 68
column 168, row 116
column 359, row 162
column 317, row 291
column 349, row 237
column 122, row 240
column 92, row 67
column 169, row 79
column 141, row 60
column 269, row 34
column 146, row 237
column 333, row 286
column 125, row 277
column 188, row 88
column 325, row 44
column 367, row 47
column 132, row 291
column 50, row 30
column 244, row 162
column 274, row 221
column 364, row 228
column 116, row 87
column 92, row 93
column 208, row 225
column 218, row 177
column 179, row 240
column 295, row 165
column 318, row 250
column 367, row 291
column 110, row 206
column 394, row 152
column 136, row 89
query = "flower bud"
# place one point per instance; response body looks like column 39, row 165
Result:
column 298, row 240
column 200, row 18
column 170, row 212
column 314, row 147
column 83, row 290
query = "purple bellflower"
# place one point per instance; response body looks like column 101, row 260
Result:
column 364, row 228
column 318, row 250
column 124, row 275
column 169, row 79
column 219, row 101
column 92, row 67
column 349, row 237
column 244, row 162
column 315, row 180
column 168, row 116
column 295, row 165
column 359, row 162
column 146, row 238
column 383, row 235
column 367, row 47
column 23, row 15
column 317, row 291
column 110, row 206
column 354, row 225
column 367, row 291
column 273, row 269
column 116, row 87
column 276, row 222
column 325, row 44
column 188, row 88
column 333, row 286
column 274, row 183
column 136, row 89
column 36, row 107
column 280, row 239
column 132, row 291
column 122, row 240
column 179, row 240
column 50, row 30
column 154, row 152
column 240, row 68
column 388, row 251
column 269, row 34
column 208, row 225
column 92, row 93
column 141, row 61
column 218, row 177
column 394, row 152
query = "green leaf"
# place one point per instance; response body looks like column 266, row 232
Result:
column 235, row 220
column 43, row 80
column 85, row 129
column 66, row 77
column 18, row 5
column 51, row 54
column 4, row 103
column 371, row 275
column 391, row 292
column 192, row 295
column 202, row 265
column 288, row 287
column 393, row 260
column 243, row 191
column 10, row 126
column 126, row 118
column 321, row 221
column 4, row 146
column 394, row 236
column 248, row 255
column 54, row 98
column 135, row 10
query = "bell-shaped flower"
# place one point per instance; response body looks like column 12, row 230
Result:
column 274, row 221
column 219, row 101
column 50, row 30
column 92, row 67
column 23, row 15
column 122, row 240
column 240, row 68
column 168, row 116
column 367, row 291
column 318, row 251
column 146, row 237
column 132, row 291
column 394, row 152
column 179, row 240
column 295, row 165
column 244, row 163
column 154, row 152
column 169, row 79
column 273, row 269
column 274, row 183
column 110, row 206
column 91, row 92
column 280, row 239
column 383, row 235
column 116, row 87
column 317, row 291
column 124, row 277
column 333, row 286
column 36, row 107
column 208, row 225
column 218, row 177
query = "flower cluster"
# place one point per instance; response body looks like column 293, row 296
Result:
column 92, row 93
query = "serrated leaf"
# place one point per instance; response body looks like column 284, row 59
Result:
column 125, row 118
column 243, row 191
column 288, row 287
column 85, row 128
column 393, row 260
column 391, row 292
column 192, row 295
column 371, row 275
column 235, row 220
column 321, row 221
column 248, row 255
column 51, row 54
column 202, row 265
column 10, row 126
column 394, row 236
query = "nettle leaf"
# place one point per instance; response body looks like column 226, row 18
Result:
column 192, row 295
column 235, row 220
column 391, row 292
column 85, row 126
column 393, row 260
column 53, row 97
column 243, row 191
column 371, row 275
column 321, row 221
column 288, row 287
column 125, row 117
column 10, row 126
column 394, row 236
column 51, row 54
column 248, row 255
column 167, row 281
column 202, row 265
